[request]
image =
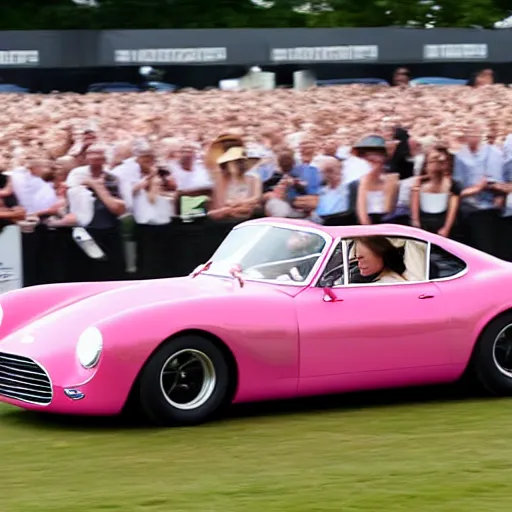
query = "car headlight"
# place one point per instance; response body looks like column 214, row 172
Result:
column 89, row 347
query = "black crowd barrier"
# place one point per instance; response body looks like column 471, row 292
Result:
column 52, row 256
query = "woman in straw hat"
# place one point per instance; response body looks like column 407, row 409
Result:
column 237, row 193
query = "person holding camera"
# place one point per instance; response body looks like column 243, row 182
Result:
column 292, row 191
column 153, row 209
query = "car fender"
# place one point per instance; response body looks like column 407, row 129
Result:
column 261, row 332
column 489, row 298
column 23, row 306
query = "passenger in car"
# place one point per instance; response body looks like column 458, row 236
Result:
column 378, row 260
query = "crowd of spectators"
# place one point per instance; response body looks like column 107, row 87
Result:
column 439, row 158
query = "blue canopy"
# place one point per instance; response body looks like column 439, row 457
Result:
column 437, row 80
column 347, row 81
column 13, row 88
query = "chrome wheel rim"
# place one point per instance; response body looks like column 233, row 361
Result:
column 502, row 351
column 188, row 379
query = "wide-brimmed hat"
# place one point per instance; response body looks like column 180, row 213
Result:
column 237, row 153
column 219, row 146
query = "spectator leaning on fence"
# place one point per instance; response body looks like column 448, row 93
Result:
column 95, row 200
column 152, row 203
column 478, row 166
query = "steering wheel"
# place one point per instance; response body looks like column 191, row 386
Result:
column 326, row 280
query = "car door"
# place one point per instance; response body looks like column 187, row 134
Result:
column 373, row 328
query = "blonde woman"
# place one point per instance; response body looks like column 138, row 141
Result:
column 237, row 193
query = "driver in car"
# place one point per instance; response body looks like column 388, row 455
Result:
column 378, row 261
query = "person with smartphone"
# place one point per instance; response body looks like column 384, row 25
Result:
column 153, row 209
column 292, row 191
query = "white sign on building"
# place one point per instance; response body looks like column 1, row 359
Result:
column 454, row 51
column 326, row 53
column 170, row 55
column 18, row 57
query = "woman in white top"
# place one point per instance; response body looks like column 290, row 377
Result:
column 237, row 193
column 378, row 191
column 435, row 197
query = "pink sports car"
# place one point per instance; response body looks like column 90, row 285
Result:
column 283, row 309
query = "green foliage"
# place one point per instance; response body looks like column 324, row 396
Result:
column 138, row 14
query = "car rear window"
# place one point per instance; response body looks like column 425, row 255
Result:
column 444, row 264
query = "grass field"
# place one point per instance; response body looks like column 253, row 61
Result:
column 430, row 450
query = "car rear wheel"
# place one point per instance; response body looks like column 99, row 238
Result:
column 493, row 357
column 185, row 382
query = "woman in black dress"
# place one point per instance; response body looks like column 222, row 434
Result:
column 435, row 197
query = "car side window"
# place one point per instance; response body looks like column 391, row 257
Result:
column 377, row 259
column 381, row 259
column 444, row 264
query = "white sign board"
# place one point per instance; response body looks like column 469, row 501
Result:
column 325, row 53
column 170, row 55
column 454, row 51
column 11, row 261
column 18, row 57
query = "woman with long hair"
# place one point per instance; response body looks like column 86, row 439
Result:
column 237, row 193
column 435, row 197
column 379, row 261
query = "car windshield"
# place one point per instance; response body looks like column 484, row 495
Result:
column 268, row 252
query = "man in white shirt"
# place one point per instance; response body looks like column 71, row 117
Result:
column 34, row 194
column 153, row 209
column 191, row 177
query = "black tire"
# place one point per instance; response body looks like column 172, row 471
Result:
column 485, row 365
column 153, row 402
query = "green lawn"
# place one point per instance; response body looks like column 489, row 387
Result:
column 377, row 452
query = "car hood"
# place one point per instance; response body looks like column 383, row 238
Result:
column 79, row 305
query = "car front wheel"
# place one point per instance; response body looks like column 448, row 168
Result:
column 493, row 357
column 185, row 382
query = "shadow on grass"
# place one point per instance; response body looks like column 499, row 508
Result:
column 345, row 402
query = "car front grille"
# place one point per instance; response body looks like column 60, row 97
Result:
column 23, row 379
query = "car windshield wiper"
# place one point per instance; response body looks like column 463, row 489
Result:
column 204, row 268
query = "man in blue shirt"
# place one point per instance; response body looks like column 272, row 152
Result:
column 478, row 166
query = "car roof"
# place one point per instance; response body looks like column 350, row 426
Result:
column 347, row 231
column 468, row 254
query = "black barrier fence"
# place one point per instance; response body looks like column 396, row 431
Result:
column 52, row 256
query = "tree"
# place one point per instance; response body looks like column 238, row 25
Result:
column 133, row 14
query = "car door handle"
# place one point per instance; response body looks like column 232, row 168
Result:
column 425, row 296
column 330, row 296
